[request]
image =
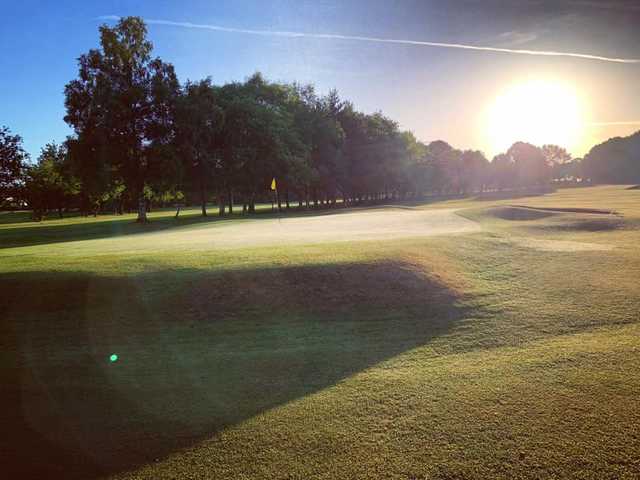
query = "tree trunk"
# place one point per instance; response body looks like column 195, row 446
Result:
column 203, row 199
column 230, row 199
column 286, row 198
column 221, row 204
column 142, row 209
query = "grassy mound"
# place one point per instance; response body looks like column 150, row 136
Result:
column 197, row 351
column 564, row 219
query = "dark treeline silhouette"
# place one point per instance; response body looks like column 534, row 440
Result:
column 140, row 138
column 615, row 161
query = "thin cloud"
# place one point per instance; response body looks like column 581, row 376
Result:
column 607, row 5
column 517, row 38
column 330, row 36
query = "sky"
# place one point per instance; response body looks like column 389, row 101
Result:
column 417, row 61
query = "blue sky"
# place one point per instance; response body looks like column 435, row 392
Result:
column 436, row 92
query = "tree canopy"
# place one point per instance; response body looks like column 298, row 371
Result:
column 13, row 159
column 121, row 107
column 141, row 138
column 615, row 161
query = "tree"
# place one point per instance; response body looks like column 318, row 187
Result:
column 474, row 171
column 88, row 163
column 615, row 161
column 445, row 167
column 318, row 168
column 560, row 162
column 13, row 160
column 413, row 175
column 199, row 121
column 555, row 155
column 502, row 171
column 259, row 140
column 122, row 105
column 530, row 164
column 48, row 184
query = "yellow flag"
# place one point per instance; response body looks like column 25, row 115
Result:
column 273, row 183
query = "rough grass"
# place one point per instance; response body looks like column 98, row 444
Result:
column 464, row 356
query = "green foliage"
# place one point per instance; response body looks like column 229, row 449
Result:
column 199, row 122
column 615, row 161
column 13, row 160
column 122, row 105
column 48, row 184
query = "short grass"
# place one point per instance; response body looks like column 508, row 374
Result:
column 507, row 353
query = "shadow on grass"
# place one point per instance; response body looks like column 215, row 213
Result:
column 197, row 351
column 14, row 216
column 95, row 228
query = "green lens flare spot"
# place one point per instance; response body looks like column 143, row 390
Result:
column 113, row 357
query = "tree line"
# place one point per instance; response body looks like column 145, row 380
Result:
column 141, row 138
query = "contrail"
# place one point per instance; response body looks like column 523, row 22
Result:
column 607, row 124
column 331, row 36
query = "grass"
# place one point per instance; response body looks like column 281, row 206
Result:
column 512, row 352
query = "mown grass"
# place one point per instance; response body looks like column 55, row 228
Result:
column 465, row 356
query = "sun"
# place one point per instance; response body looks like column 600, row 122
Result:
column 539, row 112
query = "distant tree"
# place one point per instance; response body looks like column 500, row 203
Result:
column 530, row 164
column 323, row 138
column 446, row 167
column 615, row 161
column 258, row 141
column 412, row 176
column 121, row 107
column 560, row 162
column 502, row 172
column 13, row 160
column 555, row 155
column 474, row 171
column 199, row 122
column 48, row 184
column 88, row 162
column 354, row 126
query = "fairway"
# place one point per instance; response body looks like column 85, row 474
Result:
column 465, row 338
